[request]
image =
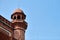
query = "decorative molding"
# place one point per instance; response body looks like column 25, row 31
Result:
column 5, row 24
column 9, row 33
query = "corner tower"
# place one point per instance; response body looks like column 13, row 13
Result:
column 19, row 24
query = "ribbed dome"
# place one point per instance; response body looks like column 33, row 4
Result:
column 18, row 10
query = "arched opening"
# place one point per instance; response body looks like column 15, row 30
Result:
column 18, row 17
column 14, row 17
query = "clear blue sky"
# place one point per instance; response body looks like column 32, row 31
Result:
column 43, row 17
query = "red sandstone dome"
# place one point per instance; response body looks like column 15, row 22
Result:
column 18, row 11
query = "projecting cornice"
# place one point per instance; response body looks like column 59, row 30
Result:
column 5, row 21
